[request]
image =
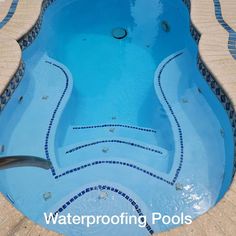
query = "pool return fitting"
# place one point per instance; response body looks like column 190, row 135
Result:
column 165, row 26
column 24, row 161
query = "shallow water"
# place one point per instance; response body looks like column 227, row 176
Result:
column 132, row 114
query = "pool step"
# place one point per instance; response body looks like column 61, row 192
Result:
column 125, row 150
column 110, row 131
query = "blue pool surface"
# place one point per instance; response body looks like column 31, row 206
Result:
column 132, row 118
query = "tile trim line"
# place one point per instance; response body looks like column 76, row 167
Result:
column 202, row 67
column 107, row 188
column 208, row 75
column 10, row 13
column 226, row 26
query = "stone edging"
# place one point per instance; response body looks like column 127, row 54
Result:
column 213, row 82
column 213, row 51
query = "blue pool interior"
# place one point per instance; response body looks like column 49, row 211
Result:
column 133, row 115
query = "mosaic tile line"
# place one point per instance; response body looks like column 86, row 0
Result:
column 25, row 42
column 10, row 13
column 28, row 38
column 225, row 25
column 102, row 188
column 12, row 85
column 208, row 76
column 114, row 141
column 46, row 146
column 109, row 162
column 174, row 116
column 114, row 125
column 114, row 162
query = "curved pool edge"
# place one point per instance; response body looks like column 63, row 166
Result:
column 215, row 55
column 217, row 58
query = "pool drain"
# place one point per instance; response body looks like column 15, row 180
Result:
column 119, row 33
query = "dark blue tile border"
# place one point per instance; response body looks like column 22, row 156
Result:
column 119, row 141
column 114, row 141
column 54, row 113
column 174, row 116
column 108, row 162
column 11, row 87
column 28, row 39
column 10, row 13
column 208, row 76
column 114, row 125
column 107, row 188
column 225, row 25
column 24, row 42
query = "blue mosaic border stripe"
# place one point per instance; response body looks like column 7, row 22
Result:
column 174, row 116
column 25, row 42
column 114, row 141
column 114, row 125
column 54, row 113
column 10, row 13
column 28, row 39
column 11, row 87
column 210, row 79
column 104, row 187
column 93, row 163
column 113, row 162
column 232, row 33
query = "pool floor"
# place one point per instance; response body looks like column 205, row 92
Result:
column 124, row 119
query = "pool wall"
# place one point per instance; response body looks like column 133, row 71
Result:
column 230, row 165
column 213, row 72
column 27, row 39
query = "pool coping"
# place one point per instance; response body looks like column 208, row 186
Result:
column 214, row 55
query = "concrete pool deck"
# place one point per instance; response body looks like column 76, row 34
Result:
column 214, row 52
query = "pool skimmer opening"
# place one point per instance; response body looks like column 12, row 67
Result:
column 119, row 33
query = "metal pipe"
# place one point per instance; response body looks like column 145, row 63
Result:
column 24, row 161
